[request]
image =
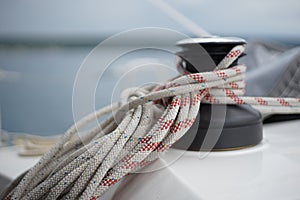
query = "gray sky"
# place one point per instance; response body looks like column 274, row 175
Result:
column 67, row 18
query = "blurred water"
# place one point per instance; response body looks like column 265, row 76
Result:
column 36, row 83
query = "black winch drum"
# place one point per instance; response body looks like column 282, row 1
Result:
column 217, row 127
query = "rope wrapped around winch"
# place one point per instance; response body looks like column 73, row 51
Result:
column 138, row 131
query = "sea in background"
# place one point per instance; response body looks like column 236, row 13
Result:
column 44, row 43
column 37, row 82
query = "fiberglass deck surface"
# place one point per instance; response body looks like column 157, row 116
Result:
column 269, row 170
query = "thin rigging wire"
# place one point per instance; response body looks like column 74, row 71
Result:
column 180, row 18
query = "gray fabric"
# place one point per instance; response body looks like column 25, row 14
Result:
column 261, row 52
column 4, row 181
column 273, row 70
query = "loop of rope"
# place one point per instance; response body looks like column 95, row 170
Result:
column 85, row 167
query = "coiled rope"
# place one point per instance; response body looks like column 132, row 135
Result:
column 85, row 167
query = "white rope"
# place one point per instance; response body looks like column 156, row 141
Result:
column 85, row 168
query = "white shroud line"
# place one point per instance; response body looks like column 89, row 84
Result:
column 180, row 18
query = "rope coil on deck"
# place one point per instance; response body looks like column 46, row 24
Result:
column 86, row 167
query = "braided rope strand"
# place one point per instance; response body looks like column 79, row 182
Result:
column 85, row 167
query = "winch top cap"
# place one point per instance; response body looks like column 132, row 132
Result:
column 203, row 40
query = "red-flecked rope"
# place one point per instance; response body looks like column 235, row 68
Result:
column 86, row 167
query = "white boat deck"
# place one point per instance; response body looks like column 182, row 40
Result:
column 270, row 170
